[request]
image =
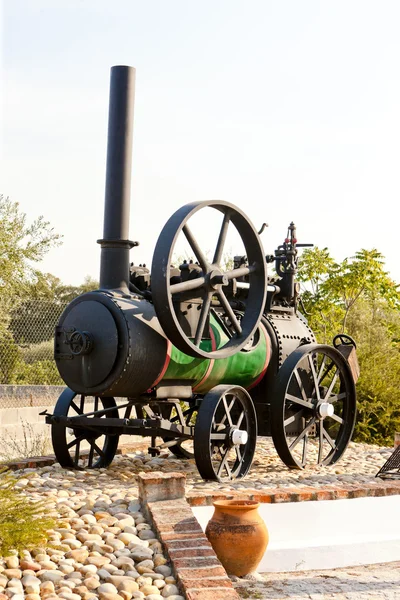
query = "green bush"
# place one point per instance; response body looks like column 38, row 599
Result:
column 23, row 524
column 9, row 357
column 36, row 352
column 41, row 372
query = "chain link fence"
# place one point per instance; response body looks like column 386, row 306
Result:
column 26, row 349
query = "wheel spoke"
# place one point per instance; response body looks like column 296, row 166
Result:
column 300, row 384
column 218, row 436
column 293, row 418
column 321, row 369
column 91, row 453
column 96, row 404
column 203, row 318
column 242, row 272
column 337, row 418
column 336, row 397
column 314, row 375
column 328, row 370
column 189, row 414
column 196, row 248
column 227, row 468
column 228, row 410
column 297, row 400
column 238, row 453
column 186, row 286
column 223, row 462
column 98, row 450
column 241, row 417
column 330, row 388
column 77, row 452
column 76, row 408
column 221, row 239
column 302, row 434
column 329, row 439
column 77, row 440
column 229, row 311
column 305, row 448
column 321, row 441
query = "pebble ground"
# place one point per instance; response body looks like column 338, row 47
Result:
column 105, row 548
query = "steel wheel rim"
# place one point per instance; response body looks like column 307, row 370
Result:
column 222, row 410
column 163, row 292
column 68, row 443
column 299, row 407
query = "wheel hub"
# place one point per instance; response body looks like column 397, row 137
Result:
column 325, row 409
column 216, row 278
column 239, row 437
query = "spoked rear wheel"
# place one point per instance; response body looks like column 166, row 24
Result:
column 77, row 448
column 225, row 434
column 313, row 408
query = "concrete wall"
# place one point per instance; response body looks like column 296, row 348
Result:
column 23, row 403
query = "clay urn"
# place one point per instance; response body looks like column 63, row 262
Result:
column 238, row 535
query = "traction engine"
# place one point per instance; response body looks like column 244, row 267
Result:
column 201, row 357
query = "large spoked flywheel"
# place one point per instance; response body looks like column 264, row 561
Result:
column 313, row 408
column 79, row 448
column 225, row 434
column 208, row 288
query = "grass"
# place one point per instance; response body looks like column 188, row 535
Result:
column 30, row 444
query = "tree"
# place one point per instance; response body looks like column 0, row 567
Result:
column 358, row 297
column 334, row 289
column 43, row 303
column 21, row 246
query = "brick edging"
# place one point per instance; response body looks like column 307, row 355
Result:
column 301, row 494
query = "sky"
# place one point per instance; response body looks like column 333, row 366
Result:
column 289, row 110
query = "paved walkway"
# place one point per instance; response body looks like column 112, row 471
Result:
column 380, row 581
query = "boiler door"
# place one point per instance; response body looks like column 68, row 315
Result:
column 86, row 344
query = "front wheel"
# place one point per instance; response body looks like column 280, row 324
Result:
column 225, row 434
column 78, row 448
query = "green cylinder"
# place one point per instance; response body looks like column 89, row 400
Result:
column 245, row 368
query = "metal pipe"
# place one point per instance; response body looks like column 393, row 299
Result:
column 115, row 245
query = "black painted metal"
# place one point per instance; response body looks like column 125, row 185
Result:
column 115, row 245
column 88, row 447
column 111, row 343
column 391, row 468
column 311, row 375
column 116, row 324
column 224, row 409
column 212, row 282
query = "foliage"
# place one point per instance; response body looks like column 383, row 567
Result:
column 359, row 298
column 9, row 357
column 42, row 306
column 34, row 352
column 21, row 245
column 31, row 444
column 40, row 372
column 23, row 524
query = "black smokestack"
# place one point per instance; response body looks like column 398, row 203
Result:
column 115, row 245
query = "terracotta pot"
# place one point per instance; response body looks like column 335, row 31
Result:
column 238, row 535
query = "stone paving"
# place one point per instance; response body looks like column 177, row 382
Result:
column 370, row 582
column 107, row 550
